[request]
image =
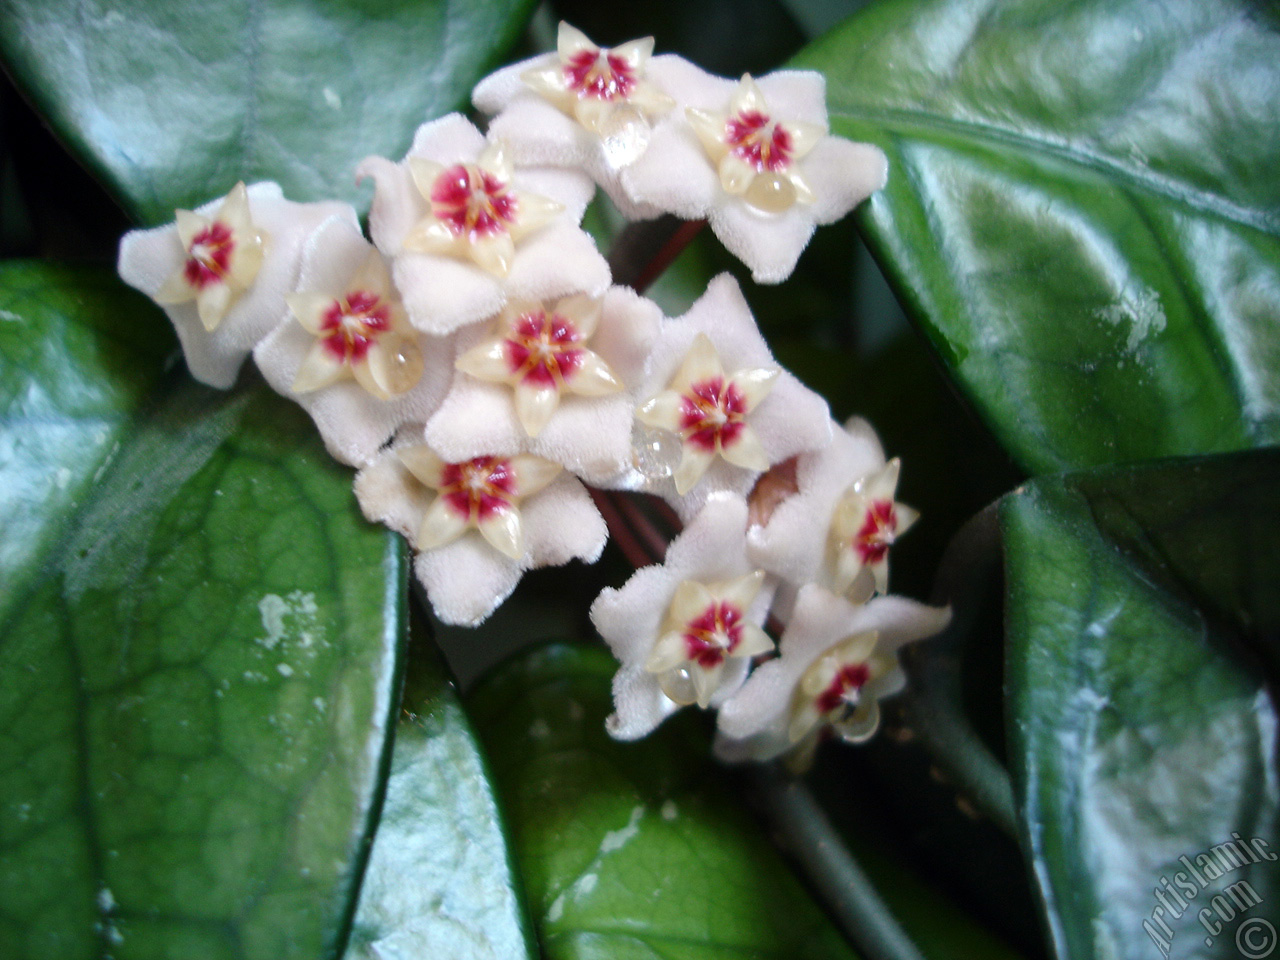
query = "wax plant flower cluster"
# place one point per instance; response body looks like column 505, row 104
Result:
column 476, row 365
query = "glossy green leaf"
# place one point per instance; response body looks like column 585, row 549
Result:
column 198, row 648
column 172, row 102
column 632, row 851
column 1082, row 211
column 1142, row 729
column 439, row 882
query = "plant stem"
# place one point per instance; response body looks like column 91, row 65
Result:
column 934, row 700
column 643, row 250
column 830, row 867
column 620, row 531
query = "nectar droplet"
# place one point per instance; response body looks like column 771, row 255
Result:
column 771, row 193
column 624, row 135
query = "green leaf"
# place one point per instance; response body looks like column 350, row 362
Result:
column 172, row 103
column 632, row 850
column 198, row 648
column 1082, row 212
column 439, row 881
column 1142, row 729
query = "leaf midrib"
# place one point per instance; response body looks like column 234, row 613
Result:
column 902, row 120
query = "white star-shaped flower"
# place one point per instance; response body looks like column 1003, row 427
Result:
column 542, row 352
column 837, row 661
column 836, row 528
column 755, row 159
column 466, row 229
column 685, row 631
column 480, row 524
column 222, row 272
column 713, row 419
column 534, row 369
column 708, row 409
column 223, row 256
column 347, row 354
column 583, row 106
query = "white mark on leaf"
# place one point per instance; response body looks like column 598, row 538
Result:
column 557, row 909
column 293, row 617
column 1140, row 309
column 617, row 839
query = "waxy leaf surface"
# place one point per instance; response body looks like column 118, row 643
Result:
column 198, row 648
column 1143, row 736
column 1082, row 211
column 632, row 851
column 440, row 881
column 172, row 102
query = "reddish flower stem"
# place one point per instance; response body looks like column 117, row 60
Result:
column 673, row 248
column 620, row 532
column 642, row 251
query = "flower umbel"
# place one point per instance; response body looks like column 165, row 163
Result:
column 483, row 494
column 705, row 626
column 474, row 211
column 755, row 152
column 223, row 254
column 709, row 411
column 361, row 334
column 542, row 353
column 864, row 525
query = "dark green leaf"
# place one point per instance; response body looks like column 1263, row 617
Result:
column 632, row 851
column 816, row 17
column 439, row 883
column 1082, row 211
column 1142, row 731
column 172, row 103
column 198, row 648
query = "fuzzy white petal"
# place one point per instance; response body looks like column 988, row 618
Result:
column 792, row 419
column 149, row 257
column 820, row 620
column 709, row 550
column 793, row 544
column 353, row 424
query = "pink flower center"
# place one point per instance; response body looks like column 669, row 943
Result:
column 479, row 488
column 473, row 202
column 209, row 256
column 713, row 634
column 758, row 140
column 712, row 414
column 877, row 533
column 353, row 323
column 544, row 349
column 599, row 75
column 844, row 688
